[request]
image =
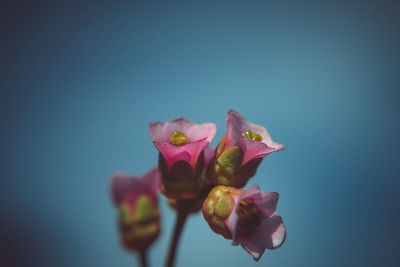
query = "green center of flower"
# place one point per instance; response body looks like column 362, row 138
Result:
column 249, row 217
column 178, row 139
column 253, row 136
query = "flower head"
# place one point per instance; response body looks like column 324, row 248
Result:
column 240, row 151
column 181, row 160
column 139, row 216
column 248, row 217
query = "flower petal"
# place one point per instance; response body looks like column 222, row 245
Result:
column 121, row 184
column 209, row 154
column 200, row 131
column 150, row 181
column 266, row 202
column 156, row 130
column 254, row 250
column 234, row 124
column 172, row 153
column 194, row 149
column 233, row 218
column 270, row 234
column 253, row 150
column 266, row 137
column 249, row 192
column 124, row 185
column 176, row 125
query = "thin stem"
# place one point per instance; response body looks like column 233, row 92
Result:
column 182, row 214
column 143, row 258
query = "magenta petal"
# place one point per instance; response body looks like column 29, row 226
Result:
column 254, row 150
column 200, row 131
column 172, row 153
column 253, row 249
column 266, row 202
column 194, row 149
column 209, row 154
column 156, row 130
column 177, row 125
column 270, row 234
column 266, row 137
column 234, row 123
column 232, row 220
column 249, row 192
column 121, row 184
column 150, row 181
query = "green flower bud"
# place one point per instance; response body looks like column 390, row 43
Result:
column 218, row 206
column 139, row 225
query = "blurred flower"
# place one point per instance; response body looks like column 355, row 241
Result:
column 139, row 216
column 240, row 151
column 181, row 160
column 248, row 217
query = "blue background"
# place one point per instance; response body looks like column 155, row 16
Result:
column 79, row 84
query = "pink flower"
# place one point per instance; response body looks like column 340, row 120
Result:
column 139, row 216
column 197, row 202
column 247, row 217
column 181, row 160
column 254, row 223
column 240, row 151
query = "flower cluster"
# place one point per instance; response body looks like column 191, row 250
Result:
column 193, row 177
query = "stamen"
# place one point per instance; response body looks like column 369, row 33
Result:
column 256, row 137
column 250, row 135
column 179, row 139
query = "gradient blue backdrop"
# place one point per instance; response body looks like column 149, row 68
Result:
column 79, row 84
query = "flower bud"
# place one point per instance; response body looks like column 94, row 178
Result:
column 181, row 144
column 139, row 216
column 217, row 207
column 240, row 152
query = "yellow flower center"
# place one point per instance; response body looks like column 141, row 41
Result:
column 253, row 136
column 178, row 139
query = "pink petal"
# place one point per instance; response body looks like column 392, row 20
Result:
column 178, row 125
column 156, row 130
column 121, row 184
column 200, row 131
column 266, row 202
column 162, row 132
column 254, row 250
column 249, row 192
column 209, row 154
column 125, row 186
column 232, row 220
column 254, row 149
column 270, row 234
column 150, row 180
column 172, row 153
column 234, row 123
column 194, row 149
column 266, row 137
